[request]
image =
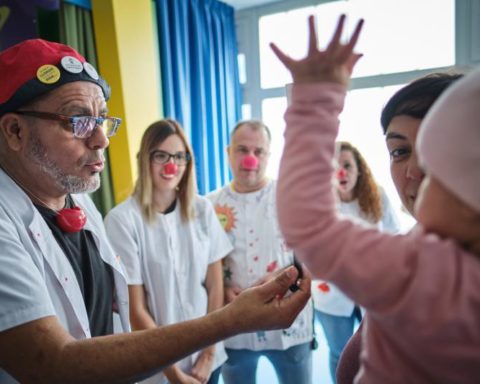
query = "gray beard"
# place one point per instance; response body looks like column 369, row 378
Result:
column 67, row 183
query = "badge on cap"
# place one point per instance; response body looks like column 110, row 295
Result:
column 48, row 74
column 71, row 64
column 91, row 71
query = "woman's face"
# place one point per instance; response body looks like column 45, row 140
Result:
column 406, row 174
column 347, row 174
column 167, row 176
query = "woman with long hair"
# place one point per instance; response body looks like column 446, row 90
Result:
column 171, row 244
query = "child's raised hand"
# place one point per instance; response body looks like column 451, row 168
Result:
column 335, row 64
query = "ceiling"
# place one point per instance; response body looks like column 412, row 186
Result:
column 242, row 4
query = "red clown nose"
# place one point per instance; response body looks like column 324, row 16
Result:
column 170, row 168
column 250, row 162
column 341, row 173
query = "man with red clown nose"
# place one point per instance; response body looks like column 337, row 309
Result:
column 59, row 277
column 247, row 210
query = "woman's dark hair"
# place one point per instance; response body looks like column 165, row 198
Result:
column 416, row 98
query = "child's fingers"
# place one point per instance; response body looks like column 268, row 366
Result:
column 353, row 60
column 347, row 51
column 312, row 44
column 286, row 60
column 353, row 40
column 335, row 41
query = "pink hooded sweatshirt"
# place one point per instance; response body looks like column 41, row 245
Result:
column 421, row 292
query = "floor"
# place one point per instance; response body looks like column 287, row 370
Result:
column 321, row 375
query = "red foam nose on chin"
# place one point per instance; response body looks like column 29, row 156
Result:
column 250, row 162
column 170, row 169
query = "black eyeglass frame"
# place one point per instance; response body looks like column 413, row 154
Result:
column 74, row 120
column 173, row 156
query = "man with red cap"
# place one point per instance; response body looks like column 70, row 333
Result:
column 59, row 277
column 247, row 210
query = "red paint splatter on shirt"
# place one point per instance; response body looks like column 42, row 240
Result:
column 324, row 287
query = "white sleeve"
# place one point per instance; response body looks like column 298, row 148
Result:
column 390, row 222
column 24, row 295
column 123, row 236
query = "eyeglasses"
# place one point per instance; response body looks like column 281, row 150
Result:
column 82, row 126
column 258, row 152
column 162, row 157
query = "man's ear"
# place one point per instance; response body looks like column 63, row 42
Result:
column 13, row 129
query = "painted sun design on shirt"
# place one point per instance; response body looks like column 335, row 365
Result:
column 226, row 216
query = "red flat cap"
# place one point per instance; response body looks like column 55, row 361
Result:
column 35, row 67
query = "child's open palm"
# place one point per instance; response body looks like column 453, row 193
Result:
column 334, row 64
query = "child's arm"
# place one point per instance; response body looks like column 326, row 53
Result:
column 355, row 258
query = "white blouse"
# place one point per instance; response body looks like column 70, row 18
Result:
column 170, row 258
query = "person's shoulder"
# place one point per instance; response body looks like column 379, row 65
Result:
column 390, row 221
column 272, row 183
column 127, row 208
column 202, row 202
column 385, row 199
column 269, row 190
column 204, row 206
column 215, row 194
column 383, row 193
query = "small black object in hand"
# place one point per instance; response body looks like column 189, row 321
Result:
column 294, row 287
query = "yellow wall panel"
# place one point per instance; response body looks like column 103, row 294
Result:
column 127, row 53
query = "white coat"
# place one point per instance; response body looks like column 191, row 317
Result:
column 170, row 258
column 36, row 278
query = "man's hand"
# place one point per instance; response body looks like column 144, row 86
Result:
column 265, row 278
column 335, row 64
column 268, row 306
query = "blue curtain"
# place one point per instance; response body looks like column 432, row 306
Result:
column 200, row 84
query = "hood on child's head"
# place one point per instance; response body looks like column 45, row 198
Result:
column 448, row 143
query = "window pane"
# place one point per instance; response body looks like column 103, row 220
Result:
column 286, row 29
column 401, row 35
column 272, row 114
column 246, row 111
column 242, row 68
column 398, row 35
